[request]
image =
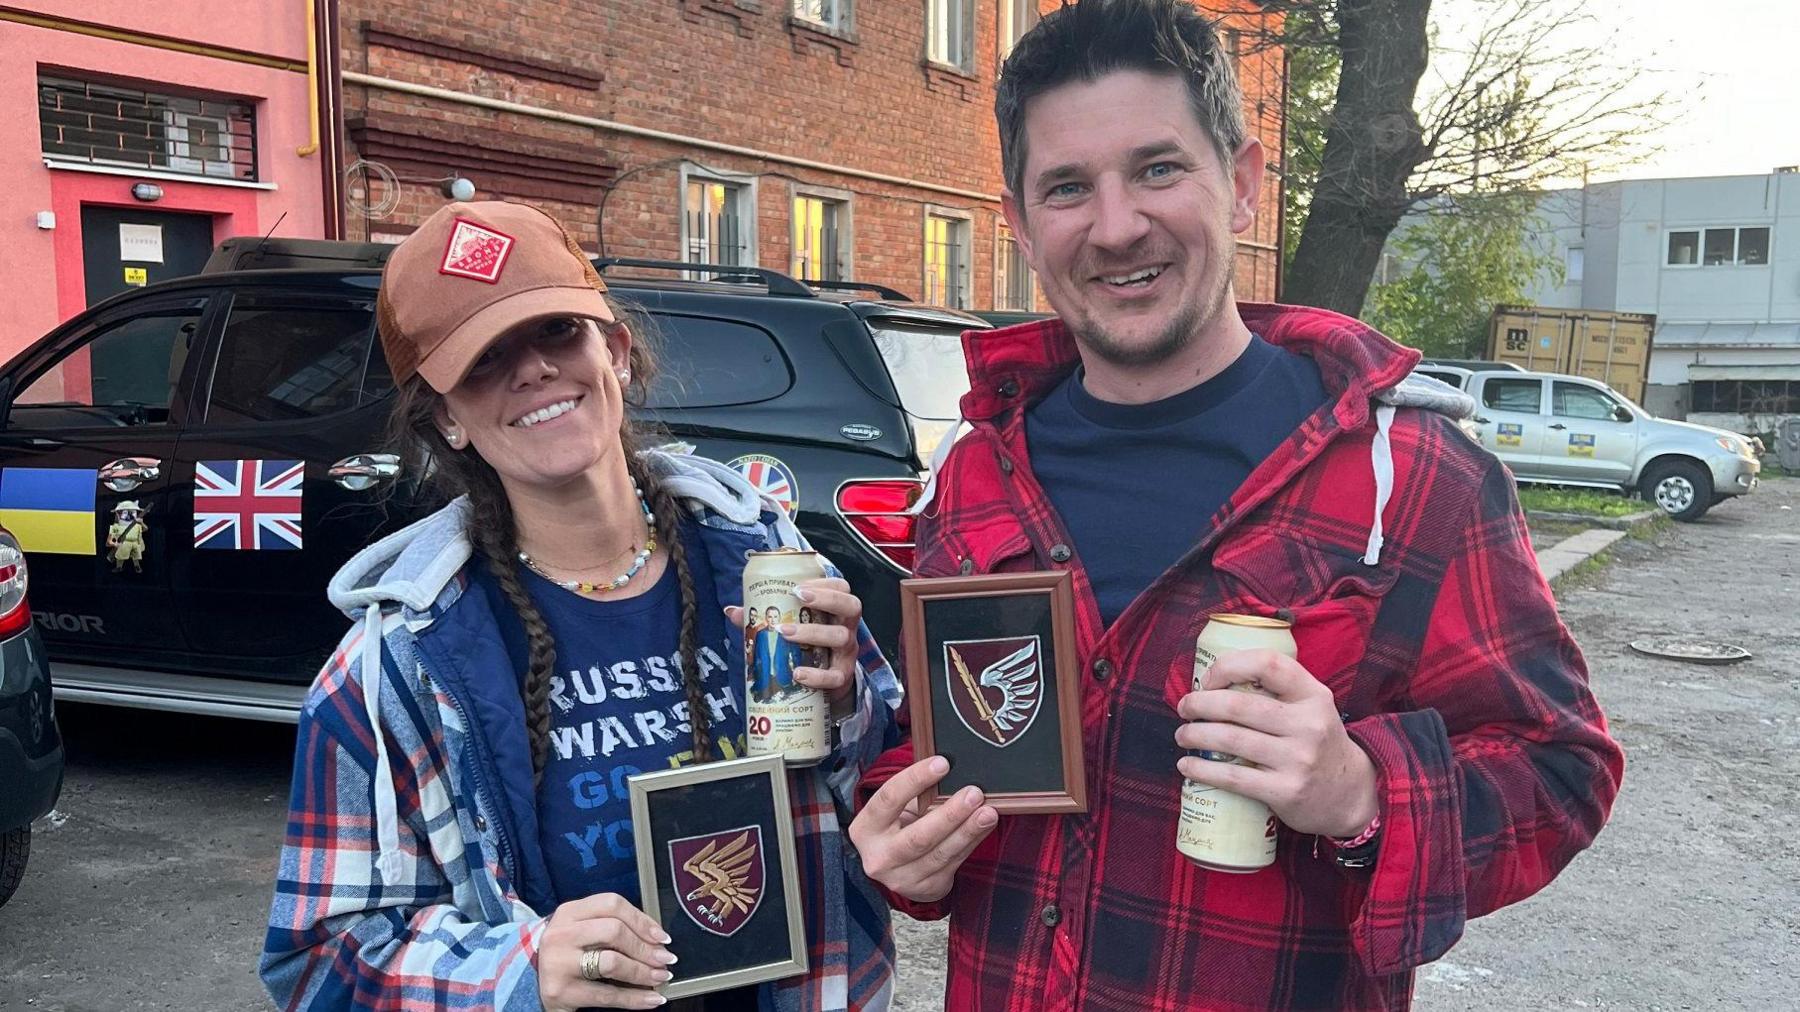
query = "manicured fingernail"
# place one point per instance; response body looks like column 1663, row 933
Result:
column 805, row 595
column 656, row 1000
column 787, row 630
column 663, row 976
column 666, row 957
column 938, row 765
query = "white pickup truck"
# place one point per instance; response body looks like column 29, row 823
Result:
column 1570, row 430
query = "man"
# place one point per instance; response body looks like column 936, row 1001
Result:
column 775, row 658
column 1432, row 755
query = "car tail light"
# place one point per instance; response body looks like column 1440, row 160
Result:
column 876, row 512
column 15, row 614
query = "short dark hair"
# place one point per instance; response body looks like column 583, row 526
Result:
column 1088, row 39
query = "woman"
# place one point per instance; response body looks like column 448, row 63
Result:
column 459, row 832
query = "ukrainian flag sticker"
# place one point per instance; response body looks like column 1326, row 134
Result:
column 49, row 509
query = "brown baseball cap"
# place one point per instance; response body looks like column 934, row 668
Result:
column 468, row 275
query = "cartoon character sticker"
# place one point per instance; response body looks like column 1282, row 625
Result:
column 719, row 877
column 125, row 538
column 1581, row 444
column 1000, row 703
column 1510, row 434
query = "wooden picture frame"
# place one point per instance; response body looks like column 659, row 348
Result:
column 968, row 643
column 707, row 837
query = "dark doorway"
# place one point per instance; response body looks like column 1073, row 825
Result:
column 120, row 247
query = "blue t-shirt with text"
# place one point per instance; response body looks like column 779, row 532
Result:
column 618, row 708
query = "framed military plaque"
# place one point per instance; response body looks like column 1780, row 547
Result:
column 715, row 853
column 990, row 673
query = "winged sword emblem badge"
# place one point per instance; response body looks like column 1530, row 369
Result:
column 996, row 685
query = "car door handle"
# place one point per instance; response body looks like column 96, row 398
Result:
column 1482, row 421
column 364, row 471
column 127, row 473
column 1559, row 426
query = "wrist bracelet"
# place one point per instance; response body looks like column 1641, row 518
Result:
column 1361, row 838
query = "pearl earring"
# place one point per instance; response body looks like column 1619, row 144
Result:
column 624, row 375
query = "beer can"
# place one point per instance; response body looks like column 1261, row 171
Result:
column 1218, row 829
column 785, row 718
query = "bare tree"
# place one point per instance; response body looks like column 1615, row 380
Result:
column 1534, row 94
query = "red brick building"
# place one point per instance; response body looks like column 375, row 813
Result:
column 840, row 139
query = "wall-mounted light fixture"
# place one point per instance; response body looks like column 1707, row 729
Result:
column 147, row 192
column 459, row 188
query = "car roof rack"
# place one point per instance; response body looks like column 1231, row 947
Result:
column 857, row 286
column 257, row 253
column 777, row 282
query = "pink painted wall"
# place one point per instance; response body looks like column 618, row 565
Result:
column 44, row 268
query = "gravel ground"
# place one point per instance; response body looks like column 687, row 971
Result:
column 149, row 887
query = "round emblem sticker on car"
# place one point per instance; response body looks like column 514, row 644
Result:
column 771, row 477
column 859, row 431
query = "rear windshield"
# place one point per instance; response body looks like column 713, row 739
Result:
column 927, row 366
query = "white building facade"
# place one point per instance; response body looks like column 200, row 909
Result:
column 1717, row 260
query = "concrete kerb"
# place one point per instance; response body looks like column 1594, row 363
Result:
column 1568, row 553
column 1624, row 523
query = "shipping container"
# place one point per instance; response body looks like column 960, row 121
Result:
column 1613, row 348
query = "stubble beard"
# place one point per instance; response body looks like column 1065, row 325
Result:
column 1174, row 337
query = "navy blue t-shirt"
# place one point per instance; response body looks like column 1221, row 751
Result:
column 1136, row 484
column 617, row 708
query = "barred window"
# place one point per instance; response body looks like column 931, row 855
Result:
column 818, row 239
column 1749, row 397
column 106, row 124
column 1012, row 278
column 947, row 261
column 718, row 222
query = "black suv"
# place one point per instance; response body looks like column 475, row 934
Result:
column 189, row 463
column 31, row 751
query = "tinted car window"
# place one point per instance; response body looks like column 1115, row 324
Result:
column 281, row 362
column 125, row 375
column 1573, row 400
column 1525, row 395
column 708, row 363
column 1443, row 376
column 928, row 370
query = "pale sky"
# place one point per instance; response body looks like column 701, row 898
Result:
column 1732, row 68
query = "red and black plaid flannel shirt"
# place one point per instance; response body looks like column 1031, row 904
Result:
column 1448, row 660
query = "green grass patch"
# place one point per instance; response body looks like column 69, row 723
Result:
column 1587, row 502
column 1771, row 469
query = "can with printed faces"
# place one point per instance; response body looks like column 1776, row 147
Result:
column 786, row 718
column 1218, row 829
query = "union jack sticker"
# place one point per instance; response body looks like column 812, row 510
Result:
column 244, row 505
column 476, row 251
column 771, row 477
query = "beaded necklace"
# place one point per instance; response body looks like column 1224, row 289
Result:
column 637, row 565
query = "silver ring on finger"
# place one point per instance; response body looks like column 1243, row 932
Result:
column 590, row 964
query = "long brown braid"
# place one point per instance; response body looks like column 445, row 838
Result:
column 493, row 533
column 664, row 507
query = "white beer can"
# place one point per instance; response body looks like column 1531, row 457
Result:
column 1218, row 829
column 785, row 717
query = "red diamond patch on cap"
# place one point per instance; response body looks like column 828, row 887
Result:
column 476, row 251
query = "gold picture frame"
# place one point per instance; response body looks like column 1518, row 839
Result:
column 717, row 869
